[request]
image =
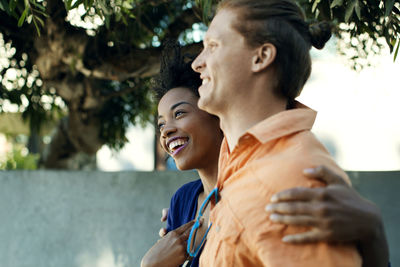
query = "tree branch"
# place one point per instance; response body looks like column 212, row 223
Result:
column 116, row 65
column 183, row 22
column 118, row 93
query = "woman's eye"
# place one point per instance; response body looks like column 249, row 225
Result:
column 179, row 113
column 160, row 126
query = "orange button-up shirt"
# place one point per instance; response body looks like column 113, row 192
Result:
column 269, row 158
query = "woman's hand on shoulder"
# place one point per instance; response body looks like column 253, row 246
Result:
column 164, row 216
column 327, row 210
column 170, row 250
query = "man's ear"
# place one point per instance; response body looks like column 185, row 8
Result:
column 264, row 57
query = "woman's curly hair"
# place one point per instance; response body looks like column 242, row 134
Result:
column 175, row 71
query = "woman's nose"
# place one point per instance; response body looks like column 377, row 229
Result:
column 167, row 130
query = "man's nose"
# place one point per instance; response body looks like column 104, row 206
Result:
column 198, row 63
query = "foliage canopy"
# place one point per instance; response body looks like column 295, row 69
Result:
column 92, row 60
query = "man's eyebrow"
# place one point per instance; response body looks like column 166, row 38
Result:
column 176, row 105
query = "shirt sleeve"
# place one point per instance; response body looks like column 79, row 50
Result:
column 272, row 252
column 267, row 237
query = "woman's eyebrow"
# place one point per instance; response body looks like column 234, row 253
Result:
column 178, row 104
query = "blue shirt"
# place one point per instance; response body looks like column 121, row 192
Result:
column 183, row 208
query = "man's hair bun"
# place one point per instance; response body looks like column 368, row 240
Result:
column 320, row 33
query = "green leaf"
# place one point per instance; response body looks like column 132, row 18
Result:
column 107, row 20
column 349, row 11
column 358, row 9
column 124, row 20
column 397, row 51
column 37, row 27
column 89, row 3
column 103, row 6
column 393, row 42
column 314, row 6
column 40, row 21
column 389, row 6
column 126, row 5
column 42, row 13
column 68, row 4
column 22, row 18
column 12, row 4
column 317, row 13
column 396, row 10
column 37, row 5
column 336, row 3
column 207, row 7
column 77, row 3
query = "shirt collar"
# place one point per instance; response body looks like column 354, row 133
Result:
column 284, row 123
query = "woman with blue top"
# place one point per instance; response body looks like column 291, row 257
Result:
column 193, row 138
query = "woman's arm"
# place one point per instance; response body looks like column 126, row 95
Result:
column 335, row 213
column 170, row 250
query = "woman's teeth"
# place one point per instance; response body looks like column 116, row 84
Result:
column 174, row 144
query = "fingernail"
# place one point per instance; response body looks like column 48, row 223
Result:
column 268, row 208
column 274, row 198
column 273, row 217
column 161, row 233
column 286, row 239
column 309, row 171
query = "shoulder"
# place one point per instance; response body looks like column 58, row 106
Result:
column 283, row 168
column 188, row 190
column 183, row 203
column 279, row 169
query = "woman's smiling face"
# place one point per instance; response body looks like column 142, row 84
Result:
column 191, row 136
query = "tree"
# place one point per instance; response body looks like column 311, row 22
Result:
column 95, row 79
column 101, row 75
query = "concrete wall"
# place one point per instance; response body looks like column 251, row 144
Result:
column 97, row 219
column 383, row 188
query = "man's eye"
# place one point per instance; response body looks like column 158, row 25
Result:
column 212, row 46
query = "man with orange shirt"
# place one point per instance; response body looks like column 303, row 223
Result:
column 254, row 63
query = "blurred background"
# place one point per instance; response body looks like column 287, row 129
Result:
column 84, row 177
column 358, row 116
column 76, row 78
